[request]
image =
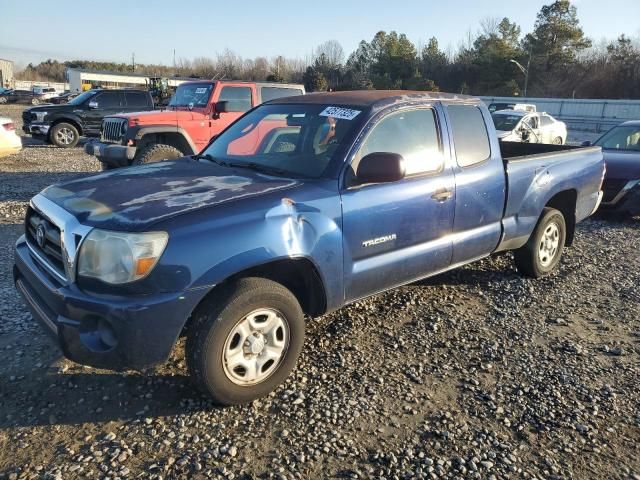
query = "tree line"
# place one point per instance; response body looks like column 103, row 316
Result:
column 556, row 59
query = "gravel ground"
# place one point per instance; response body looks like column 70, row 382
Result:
column 478, row 373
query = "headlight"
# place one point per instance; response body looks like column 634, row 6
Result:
column 40, row 116
column 118, row 257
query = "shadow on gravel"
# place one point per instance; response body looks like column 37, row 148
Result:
column 42, row 397
column 30, row 142
column 20, row 187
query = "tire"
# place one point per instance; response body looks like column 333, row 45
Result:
column 3, row 100
column 557, row 141
column 221, row 322
column 542, row 253
column 35, row 101
column 64, row 135
column 156, row 152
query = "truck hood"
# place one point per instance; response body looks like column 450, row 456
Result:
column 132, row 199
column 622, row 165
column 52, row 108
column 155, row 117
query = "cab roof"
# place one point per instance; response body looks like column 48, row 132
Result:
column 373, row 98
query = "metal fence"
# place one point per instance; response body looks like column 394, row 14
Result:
column 587, row 115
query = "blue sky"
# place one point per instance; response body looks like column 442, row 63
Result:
column 111, row 30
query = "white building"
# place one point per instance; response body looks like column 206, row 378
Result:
column 6, row 73
column 80, row 80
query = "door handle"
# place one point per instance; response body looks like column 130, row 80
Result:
column 442, row 195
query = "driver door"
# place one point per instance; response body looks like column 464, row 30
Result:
column 397, row 232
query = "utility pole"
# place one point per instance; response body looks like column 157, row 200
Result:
column 524, row 70
column 133, row 61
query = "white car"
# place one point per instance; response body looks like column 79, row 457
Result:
column 45, row 93
column 10, row 142
column 531, row 127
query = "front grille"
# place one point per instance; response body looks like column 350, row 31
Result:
column 111, row 130
column 44, row 237
column 611, row 188
column 28, row 117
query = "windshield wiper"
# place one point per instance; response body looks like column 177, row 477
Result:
column 258, row 167
column 211, row 158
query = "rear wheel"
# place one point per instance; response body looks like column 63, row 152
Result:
column 35, row 101
column 541, row 254
column 245, row 340
column 156, row 152
column 64, row 135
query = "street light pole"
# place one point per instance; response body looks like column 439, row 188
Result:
column 525, row 71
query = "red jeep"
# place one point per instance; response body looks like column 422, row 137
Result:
column 197, row 111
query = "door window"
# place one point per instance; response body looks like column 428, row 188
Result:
column 108, row 99
column 470, row 135
column 410, row 133
column 238, row 98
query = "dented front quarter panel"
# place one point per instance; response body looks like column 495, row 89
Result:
column 210, row 245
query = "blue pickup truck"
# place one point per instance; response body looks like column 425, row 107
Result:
column 301, row 206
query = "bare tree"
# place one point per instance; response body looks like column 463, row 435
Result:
column 332, row 50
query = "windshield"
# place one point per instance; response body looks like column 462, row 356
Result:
column 299, row 140
column 192, row 95
column 505, row 122
column 82, row 97
column 621, row 138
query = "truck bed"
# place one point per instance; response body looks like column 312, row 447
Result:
column 515, row 151
column 539, row 173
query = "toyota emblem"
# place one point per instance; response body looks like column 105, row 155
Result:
column 40, row 235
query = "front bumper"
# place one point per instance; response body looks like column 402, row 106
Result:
column 627, row 199
column 37, row 129
column 110, row 154
column 104, row 331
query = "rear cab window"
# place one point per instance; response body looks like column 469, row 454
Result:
column 470, row 135
column 136, row 99
column 271, row 93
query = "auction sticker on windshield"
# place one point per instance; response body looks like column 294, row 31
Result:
column 340, row 113
column 200, row 90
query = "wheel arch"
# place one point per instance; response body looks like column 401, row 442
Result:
column 566, row 202
column 72, row 121
column 298, row 274
column 166, row 136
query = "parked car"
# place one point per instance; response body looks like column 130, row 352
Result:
column 523, row 126
column 10, row 143
column 621, row 149
column 303, row 205
column 63, row 125
column 526, row 107
column 45, row 93
column 64, row 98
column 197, row 111
column 22, row 96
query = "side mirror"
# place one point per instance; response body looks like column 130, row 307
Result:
column 93, row 104
column 222, row 106
column 586, row 143
column 381, row 167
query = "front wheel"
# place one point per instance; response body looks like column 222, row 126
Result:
column 541, row 254
column 557, row 141
column 156, row 152
column 245, row 340
column 64, row 135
